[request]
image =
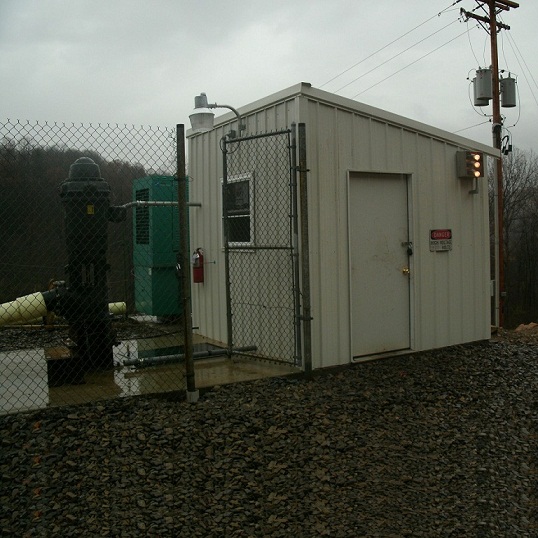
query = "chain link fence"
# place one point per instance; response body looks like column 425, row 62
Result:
column 261, row 247
column 90, row 304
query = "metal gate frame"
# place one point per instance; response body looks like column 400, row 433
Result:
column 266, row 165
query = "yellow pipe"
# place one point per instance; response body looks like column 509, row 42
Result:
column 31, row 308
column 23, row 309
column 117, row 309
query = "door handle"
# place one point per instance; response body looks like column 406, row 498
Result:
column 405, row 270
column 409, row 245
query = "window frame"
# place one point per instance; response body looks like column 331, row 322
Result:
column 238, row 178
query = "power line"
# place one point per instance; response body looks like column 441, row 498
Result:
column 504, row 53
column 518, row 55
column 389, row 44
column 470, row 43
column 471, row 101
column 395, row 56
column 412, row 63
column 471, row 127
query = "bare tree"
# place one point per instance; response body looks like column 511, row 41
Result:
column 520, row 189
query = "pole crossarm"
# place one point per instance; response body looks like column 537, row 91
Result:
column 506, row 4
column 498, row 4
column 468, row 15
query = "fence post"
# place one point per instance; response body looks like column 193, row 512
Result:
column 296, row 250
column 184, row 262
column 225, row 224
column 305, row 250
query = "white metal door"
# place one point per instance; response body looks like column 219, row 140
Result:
column 379, row 257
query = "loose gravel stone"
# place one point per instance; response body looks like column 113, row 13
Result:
column 442, row 443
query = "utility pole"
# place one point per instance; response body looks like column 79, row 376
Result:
column 489, row 22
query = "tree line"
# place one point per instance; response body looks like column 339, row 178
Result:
column 32, row 236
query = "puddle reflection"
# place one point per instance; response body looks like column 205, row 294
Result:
column 24, row 380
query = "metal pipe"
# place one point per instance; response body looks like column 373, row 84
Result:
column 23, row 309
column 264, row 247
column 240, row 124
column 305, row 250
column 168, row 359
column 225, row 227
column 184, row 262
column 295, row 251
column 141, row 203
column 117, row 309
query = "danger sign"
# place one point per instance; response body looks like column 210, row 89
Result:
column 440, row 240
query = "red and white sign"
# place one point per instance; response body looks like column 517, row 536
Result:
column 440, row 240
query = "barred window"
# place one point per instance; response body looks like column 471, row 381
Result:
column 238, row 205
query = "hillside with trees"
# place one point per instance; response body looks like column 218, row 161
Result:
column 32, row 238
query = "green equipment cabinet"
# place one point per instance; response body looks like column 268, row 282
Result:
column 155, row 247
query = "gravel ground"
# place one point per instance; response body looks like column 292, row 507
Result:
column 442, row 443
column 31, row 337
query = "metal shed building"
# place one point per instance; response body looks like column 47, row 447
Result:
column 398, row 246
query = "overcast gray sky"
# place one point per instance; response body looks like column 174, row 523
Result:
column 142, row 62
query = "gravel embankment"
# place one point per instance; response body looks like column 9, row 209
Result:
column 442, row 443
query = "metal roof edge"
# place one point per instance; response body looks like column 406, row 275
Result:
column 396, row 119
column 306, row 90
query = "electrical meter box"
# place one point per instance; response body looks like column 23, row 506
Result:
column 156, row 246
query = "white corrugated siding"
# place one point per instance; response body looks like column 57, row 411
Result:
column 449, row 290
column 205, row 165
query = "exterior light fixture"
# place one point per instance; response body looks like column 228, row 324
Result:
column 470, row 164
column 202, row 117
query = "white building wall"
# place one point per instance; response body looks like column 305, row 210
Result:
column 205, row 164
column 449, row 290
column 205, row 169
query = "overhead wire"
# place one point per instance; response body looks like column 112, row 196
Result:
column 470, row 43
column 395, row 56
column 472, row 102
column 471, row 126
column 520, row 59
column 503, row 51
column 377, row 51
column 409, row 65
column 517, row 87
column 486, row 42
column 391, row 43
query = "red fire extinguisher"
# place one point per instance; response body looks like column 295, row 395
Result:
column 198, row 266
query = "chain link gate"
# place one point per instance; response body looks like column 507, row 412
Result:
column 89, row 294
column 261, row 247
